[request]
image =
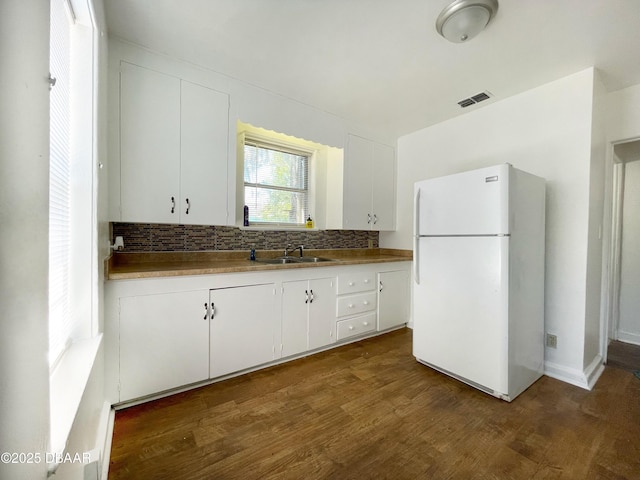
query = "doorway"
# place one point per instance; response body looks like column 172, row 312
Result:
column 622, row 332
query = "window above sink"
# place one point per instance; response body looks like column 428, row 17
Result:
column 281, row 179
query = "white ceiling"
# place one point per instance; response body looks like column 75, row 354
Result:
column 381, row 63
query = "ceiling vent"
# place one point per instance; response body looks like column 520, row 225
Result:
column 477, row 98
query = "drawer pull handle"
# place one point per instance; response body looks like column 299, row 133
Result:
column 351, row 327
column 351, row 284
column 366, row 280
column 366, row 302
column 351, row 305
column 365, row 323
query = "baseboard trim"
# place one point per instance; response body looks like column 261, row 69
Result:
column 586, row 378
column 105, row 437
column 629, row 337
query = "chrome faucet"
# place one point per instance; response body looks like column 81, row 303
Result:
column 289, row 249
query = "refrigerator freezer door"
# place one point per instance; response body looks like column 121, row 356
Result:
column 461, row 308
column 468, row 203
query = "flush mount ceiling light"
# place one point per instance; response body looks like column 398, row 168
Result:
column 464, row 19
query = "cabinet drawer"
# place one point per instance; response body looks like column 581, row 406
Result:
column 356, row 326
column 354, row 304
column 355, row 282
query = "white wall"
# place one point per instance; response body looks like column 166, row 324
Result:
column 546, row 131
column 24, row 233
column 629, row 322
column 623, row 114
column 592, row 335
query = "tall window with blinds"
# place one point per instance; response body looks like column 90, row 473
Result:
column 60, row 319
column 276, row 184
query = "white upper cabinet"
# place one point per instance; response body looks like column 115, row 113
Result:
column 173, row 149
column 149, row 145
column 204, row 127
column 369, row 185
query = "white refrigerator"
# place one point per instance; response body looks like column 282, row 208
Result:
column 478, row 299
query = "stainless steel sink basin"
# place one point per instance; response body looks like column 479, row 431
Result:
column 312, row 259
column 276, row 261
column 285, row 260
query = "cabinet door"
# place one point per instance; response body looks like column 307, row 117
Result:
column 243, row 324
column 384, row 188
column 295, row 307
column 204, row 129
column 149, row 145
column 393, row 299
column 322, row 312
column 358, row 178
column 164, row 342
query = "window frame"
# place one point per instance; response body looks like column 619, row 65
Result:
column 284, row 147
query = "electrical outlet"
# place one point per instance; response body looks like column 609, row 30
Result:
column 370, row 243
column 552, row 340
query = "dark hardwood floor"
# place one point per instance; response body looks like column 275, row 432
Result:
column 624, row 355
column 369, row 411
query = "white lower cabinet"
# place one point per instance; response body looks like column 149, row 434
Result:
column 356, row 304
column 393, row 299
column 308, row 318
column 164, row 342
column 166, row 333
column 243, row 323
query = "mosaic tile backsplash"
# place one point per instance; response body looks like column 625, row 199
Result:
column 153, row 237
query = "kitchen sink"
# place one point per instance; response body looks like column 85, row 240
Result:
column 285, row 260
column 312, row 259
column 277, row 261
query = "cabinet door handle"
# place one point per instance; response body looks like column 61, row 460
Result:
column 375, row 219
column 368, row 218
column 306, row 292
column 206, row 310
column 380, row 289
column 311, row 301
column 173, row 205
column 188, row 207
column 213, row 310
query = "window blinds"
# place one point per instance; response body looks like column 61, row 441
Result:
column 276, row 184
column 60, row 322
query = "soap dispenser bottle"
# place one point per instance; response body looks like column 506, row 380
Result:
column 309, row 222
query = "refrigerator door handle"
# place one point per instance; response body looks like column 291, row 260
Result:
column 416, row 259
column 416, row 237
column 416, row 214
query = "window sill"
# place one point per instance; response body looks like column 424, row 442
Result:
column 67, row 385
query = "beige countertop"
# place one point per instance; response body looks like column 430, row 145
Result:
column 124, row 265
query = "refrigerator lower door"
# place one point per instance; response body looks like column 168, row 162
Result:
column 461, row 309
